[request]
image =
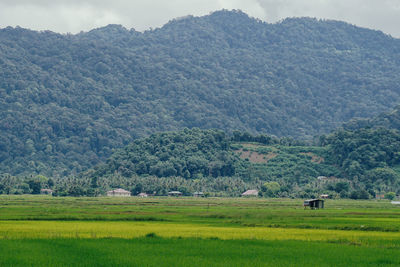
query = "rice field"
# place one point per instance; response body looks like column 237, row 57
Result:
column 46, row 231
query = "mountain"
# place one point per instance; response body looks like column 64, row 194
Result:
column 388, row 120
column 66, row 101
column 350, row 164
column 355, row 164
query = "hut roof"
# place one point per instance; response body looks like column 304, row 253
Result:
column 174, row 192
column 46, row 190
column 118, row 190
column 314, row 199
column 250, row 193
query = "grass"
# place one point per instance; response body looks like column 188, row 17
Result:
column 339, row 214
column 155, row 251
column 45, row 231
column 128, row 230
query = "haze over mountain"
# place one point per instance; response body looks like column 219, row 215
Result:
column 67, row 100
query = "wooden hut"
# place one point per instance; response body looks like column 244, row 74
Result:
column 314, row 203
column 250, row 193
column 143, row 195
column 198, row 194
column 174, row 194
column 46, row 191
column 118, row 193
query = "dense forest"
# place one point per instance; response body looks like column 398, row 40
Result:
column 67, row 101
column 347, row 164
column 388, row 120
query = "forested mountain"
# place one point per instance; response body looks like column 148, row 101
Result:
column 67, row 100
column 357, row 164
column 388, row 120
column 347, row 164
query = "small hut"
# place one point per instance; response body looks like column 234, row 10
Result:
column 250, row 193
column 174, row 194
column 118, row 193
column 198, row 194
column 142, row 195
column 324, row 196
column 314, row 203
column 46, row 191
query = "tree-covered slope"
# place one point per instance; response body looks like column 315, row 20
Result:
column 355, row 164
column 363, row 162
column 67, row 100
column 369, row 156
column 210, row 157
column 388, row 120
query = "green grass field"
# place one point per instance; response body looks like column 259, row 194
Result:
column 46, row 231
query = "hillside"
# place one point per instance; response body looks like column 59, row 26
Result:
column 66, row 101
column 388, row 120
column 209, row 160
column 355, row 164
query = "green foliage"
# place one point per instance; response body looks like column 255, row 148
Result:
column 356, row 164
column 271, row 188
column 66, row 101
column 367, row 155
column 359, row 194
column 388, row 120
column 190, row 153
column 390, row 195
column 202, row 160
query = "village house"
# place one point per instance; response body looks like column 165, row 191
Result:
column 314, row 204
column 198, row 194
column 142, row 195
column 118, row 193
column 174, row 194
column 250, row 193
column 324, row 196
column 46, row 192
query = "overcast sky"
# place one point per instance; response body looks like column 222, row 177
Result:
column 82, row 15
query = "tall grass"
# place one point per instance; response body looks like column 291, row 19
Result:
column 347, row 215
column 45, row 231
column 95, row 229
column 188, row 252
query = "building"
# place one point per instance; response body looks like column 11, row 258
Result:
column 324, row 196
column 314, row 203
column 118, row 193
column 250, row 193
column 46, row 192
column 142, row 195
column 198, row 194
column 174, row 194
column 380, row 196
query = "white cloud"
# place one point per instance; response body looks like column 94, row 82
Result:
column 76, row 15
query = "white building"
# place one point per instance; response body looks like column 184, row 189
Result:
column 118, row 193
column 250, row 193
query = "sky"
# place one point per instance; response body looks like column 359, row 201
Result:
column 73, row 16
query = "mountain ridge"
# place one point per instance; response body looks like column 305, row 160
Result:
column 68, row 100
